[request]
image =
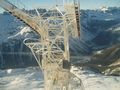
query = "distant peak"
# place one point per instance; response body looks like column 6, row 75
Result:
column 104, row 8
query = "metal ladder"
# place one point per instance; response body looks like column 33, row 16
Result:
column 77, row 14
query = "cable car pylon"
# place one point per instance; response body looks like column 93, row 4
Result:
column 51, row 50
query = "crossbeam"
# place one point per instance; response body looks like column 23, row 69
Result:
column 26, row 18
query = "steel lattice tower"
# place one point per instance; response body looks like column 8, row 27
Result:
column 52, row 49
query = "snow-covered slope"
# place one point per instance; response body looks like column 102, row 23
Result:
column 96, row 21
column 32, row 79
column 93, row 81
column 12, row 34
column 12, row 28
column 95, row 33
column 21, row 79
column 8, row 26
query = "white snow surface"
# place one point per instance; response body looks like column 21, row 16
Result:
column 32, row 79
column 21, row 79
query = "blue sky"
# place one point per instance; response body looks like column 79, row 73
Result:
column 85, row 4
column 91, row 4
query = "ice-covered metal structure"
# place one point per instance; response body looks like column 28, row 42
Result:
column 51, row 50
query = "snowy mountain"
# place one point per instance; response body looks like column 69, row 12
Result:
column 12, row 34
column 99, row 30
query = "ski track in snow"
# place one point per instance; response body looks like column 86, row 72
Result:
column 32, row 79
